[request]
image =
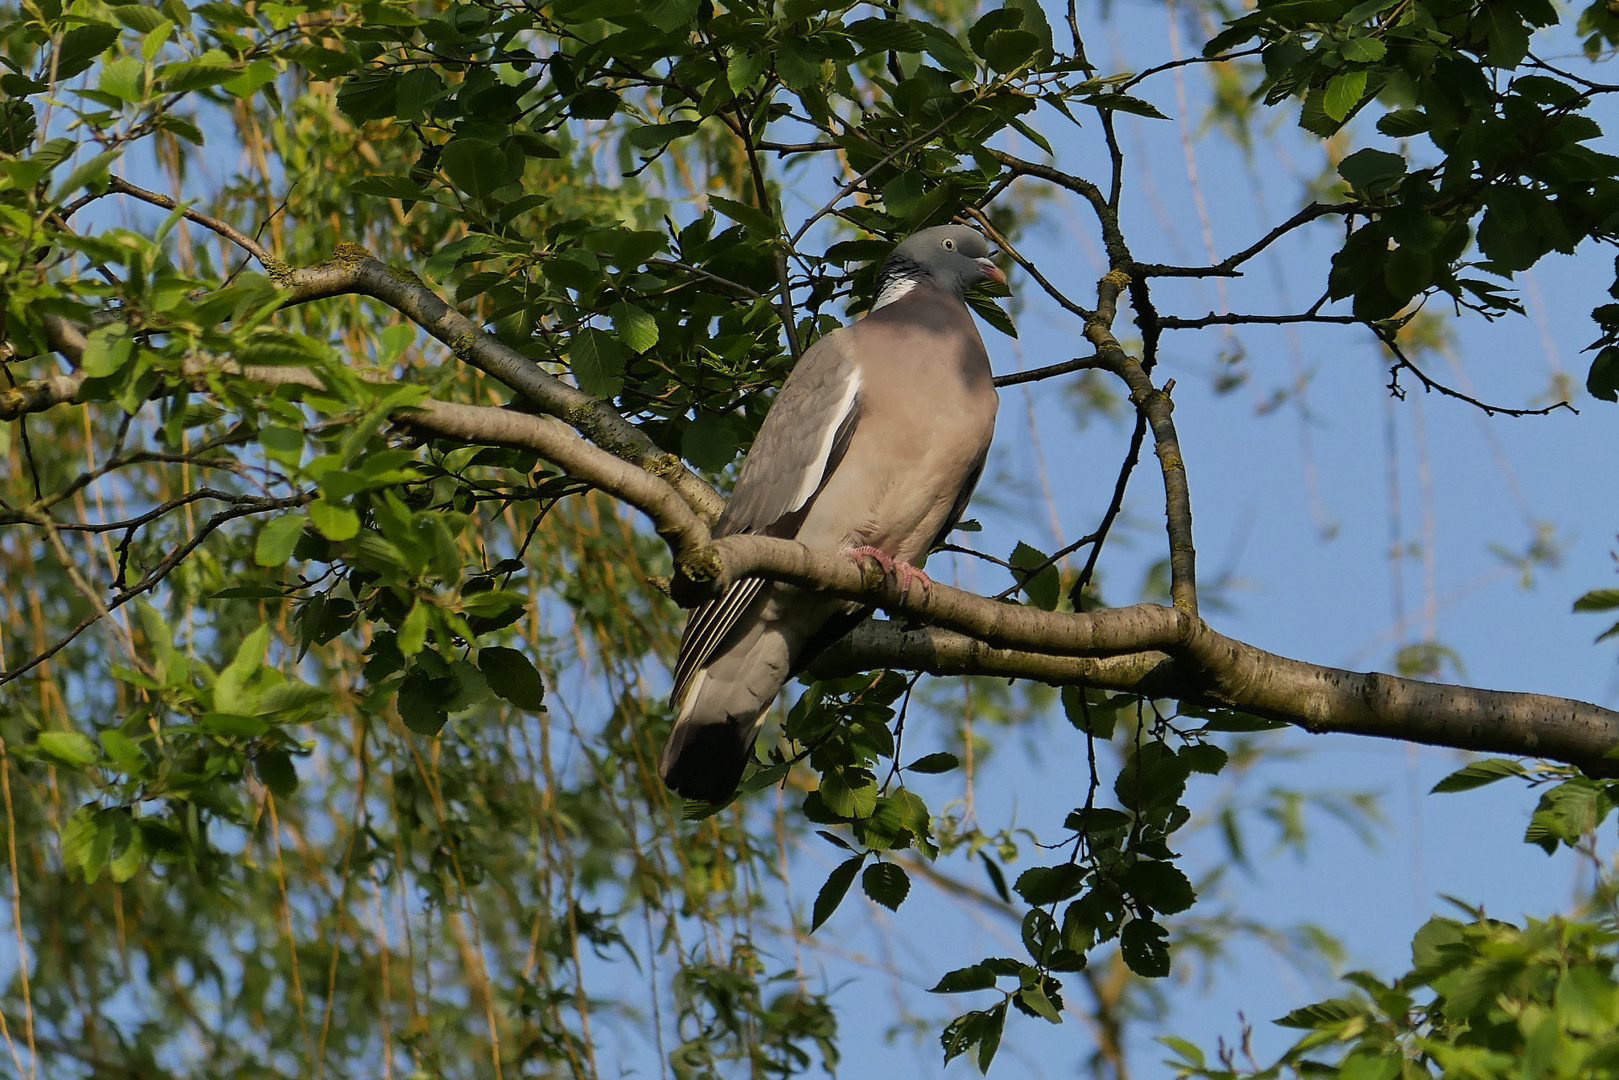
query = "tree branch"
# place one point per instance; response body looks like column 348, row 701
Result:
column 353, row 270
column 1319, row 699
column 1156, row 406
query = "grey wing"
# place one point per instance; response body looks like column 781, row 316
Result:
column 801, row 442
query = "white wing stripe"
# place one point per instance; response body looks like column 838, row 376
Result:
column 811, row 480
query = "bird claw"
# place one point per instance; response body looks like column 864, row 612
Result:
column 903, row 571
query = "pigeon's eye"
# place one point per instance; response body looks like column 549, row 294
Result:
column 949, row 245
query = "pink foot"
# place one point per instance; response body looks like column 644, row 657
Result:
column 904, row 571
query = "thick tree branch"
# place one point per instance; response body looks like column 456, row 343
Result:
column 1214, row 670
column 353, row 271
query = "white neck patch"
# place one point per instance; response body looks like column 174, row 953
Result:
column 896, row 288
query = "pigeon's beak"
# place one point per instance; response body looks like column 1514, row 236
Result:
column 991, row 271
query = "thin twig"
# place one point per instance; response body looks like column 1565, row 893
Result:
column 229, row 232
column 1051, row 371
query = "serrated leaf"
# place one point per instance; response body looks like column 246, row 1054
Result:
column 334, row 520
column 1161, row 886
column 846, row 799
column 597, row 362
column 670, row 15
column 750, row 217
column 832, row 892
column 80, row 47
column 474, row 166
column 1403, row 123
column 887, row 883
column 1145, row 948
column 963, row 980
column 1369, row 168
column 636, row 328
column 885, row 35
column 1343, row 93
column 513, row 676
column 743, row 69
column 1363, row 50
column 1127, row 104
column 1477, row 774
column 1042, row 587
column 1049, row 884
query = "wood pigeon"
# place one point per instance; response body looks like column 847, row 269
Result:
column 872, row 447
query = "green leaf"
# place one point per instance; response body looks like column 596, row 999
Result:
column 832, row 892
column 934, row 763
column 743, row 69
column 943, row 47
column 597, row 362
column 513, row 676
column 1044, row 587
column 886, row 35
column 1343, row 94
column 334, row 520
column 233, row 726
column 413, row 631
column 1095, row 719
column 1161, row 886
column 1363, row 50
column 277, row 539
column 476, row 167
column 230, row 689
column 276, row 772
column 1403, row 123
column 91, row 173
column 1049, row 884
column 69, row 747
column 997, row 880
column 1598, row 600
column 106, row 350
column 1477, row 774
column 709, row 442
column 654, row 137
column 848, row 800
column 1144, row 945
column 670, row 15
column 1602, row 382
column 798, row 67
column 1587, row 1001
column 963, row 980
column 1011, row 50
column 1204, row 758
column 887, row 883
column 80, row 47
column 1367, row 169
column 637, row 329
column 1126, row 104
column 748, row 217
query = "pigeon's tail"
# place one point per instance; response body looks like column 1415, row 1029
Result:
column 721, row 713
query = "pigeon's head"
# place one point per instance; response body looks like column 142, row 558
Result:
column 952, row 257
